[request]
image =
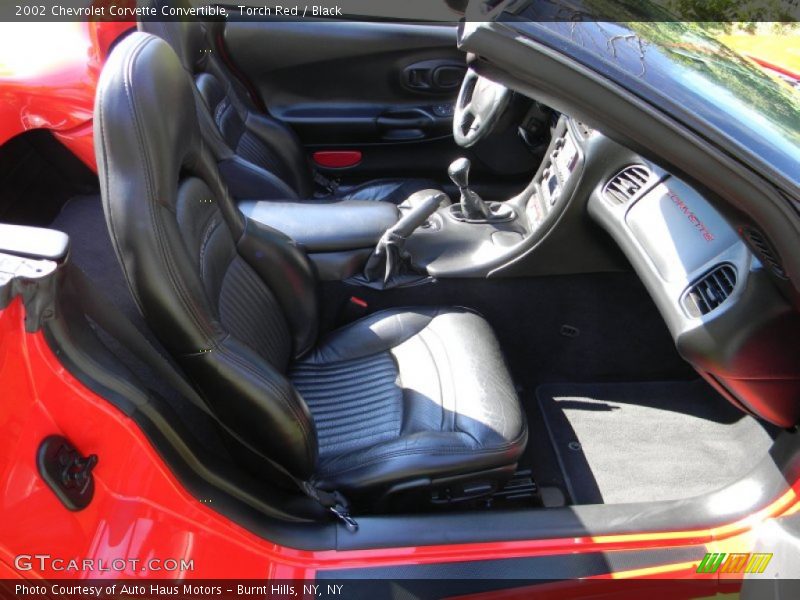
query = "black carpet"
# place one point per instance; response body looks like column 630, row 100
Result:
column 83, row 221
column 635, row 442
column 580, row 327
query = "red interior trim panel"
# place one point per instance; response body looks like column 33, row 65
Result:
column 337, row 159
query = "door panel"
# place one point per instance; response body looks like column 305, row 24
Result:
column 384, row 89
column 345, row 64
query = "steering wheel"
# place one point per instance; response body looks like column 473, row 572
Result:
column 481, row 102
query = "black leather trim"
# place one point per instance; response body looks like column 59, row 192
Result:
column 326, row 226
column 246, row 180
column 284, row 142
column 394, row 191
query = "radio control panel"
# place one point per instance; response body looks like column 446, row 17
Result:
column 560, row 164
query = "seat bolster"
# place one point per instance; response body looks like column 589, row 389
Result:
column 246, row 180
column 267, row 411
column 375, row 333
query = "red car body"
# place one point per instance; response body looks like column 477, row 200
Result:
column 55, row 90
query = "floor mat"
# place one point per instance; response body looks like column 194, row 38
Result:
column 639, row 442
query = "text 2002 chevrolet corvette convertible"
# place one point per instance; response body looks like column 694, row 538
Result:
column 499, row 303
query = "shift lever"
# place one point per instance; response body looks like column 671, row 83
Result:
column 472, row 205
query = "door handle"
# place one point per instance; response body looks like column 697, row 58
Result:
column 404, row 125
column 434, row 76
column 409, row 119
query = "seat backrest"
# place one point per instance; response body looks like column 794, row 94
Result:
column 232, row 300
column 248, row 133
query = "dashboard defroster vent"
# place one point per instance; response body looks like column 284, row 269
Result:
column 626, row 184
column 710, row 291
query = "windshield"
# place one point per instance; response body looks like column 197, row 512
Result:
column 676, row 66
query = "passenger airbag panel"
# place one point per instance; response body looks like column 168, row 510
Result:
column 678, row 229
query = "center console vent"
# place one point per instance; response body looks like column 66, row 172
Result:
column 710, row 291
column 626, row 184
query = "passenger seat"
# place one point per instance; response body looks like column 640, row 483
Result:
column 406, row 398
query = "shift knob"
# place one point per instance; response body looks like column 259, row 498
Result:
column 459, row 172
column 472, row 206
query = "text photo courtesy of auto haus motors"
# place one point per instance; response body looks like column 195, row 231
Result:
column 414, row 300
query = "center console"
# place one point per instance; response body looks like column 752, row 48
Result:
column 371, row 243
column 558, row 170
column 473, row 243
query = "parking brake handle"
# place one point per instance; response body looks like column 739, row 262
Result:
column 389, row 257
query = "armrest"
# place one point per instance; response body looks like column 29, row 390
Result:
column 33, row 242
column 326, row 226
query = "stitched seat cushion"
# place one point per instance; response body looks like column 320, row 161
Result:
column 422, row 392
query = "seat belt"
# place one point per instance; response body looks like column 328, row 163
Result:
column 331, row 186
column 115, row 323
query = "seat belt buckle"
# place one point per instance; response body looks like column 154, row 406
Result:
column 342, row 512
column 326, row 183
column 344, row 517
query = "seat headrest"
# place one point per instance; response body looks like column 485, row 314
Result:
column 146, row 119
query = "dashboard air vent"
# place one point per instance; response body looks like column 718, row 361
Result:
column 626, row 184
column 710, row 291
column 764, row 252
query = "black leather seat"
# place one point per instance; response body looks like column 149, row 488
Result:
column 259, row 156
column 415, row 394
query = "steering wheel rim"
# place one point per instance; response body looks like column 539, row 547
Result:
column 479, row 106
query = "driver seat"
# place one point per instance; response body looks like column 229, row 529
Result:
column 405, row 398
column 260, row 157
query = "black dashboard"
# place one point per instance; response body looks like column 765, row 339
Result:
column 718, row 298
column 721, row 265
column 713, row 284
